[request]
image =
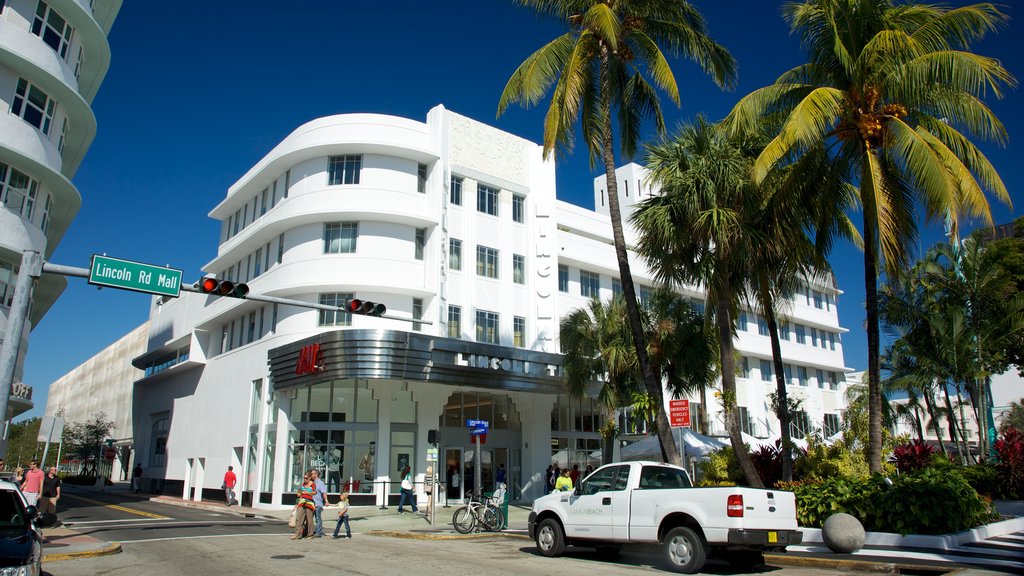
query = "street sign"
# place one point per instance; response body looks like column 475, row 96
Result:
column 110, row 453
column 478, row 424
column 679, row 413
column 51, row 429
column 128, row 275
column 431, row 454
column 478, row 432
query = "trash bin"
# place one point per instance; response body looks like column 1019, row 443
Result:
column 501, row 495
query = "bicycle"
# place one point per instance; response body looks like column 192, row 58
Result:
column 480, row 513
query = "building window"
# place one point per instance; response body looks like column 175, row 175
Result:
column 340, row 237
column 258, row 265
column 784, row 330
column 158, row 441
column 799, row 425
column 744, row 367
column 644, row 294
column 814, row 337
column 741, row 321
column 563, row 278
column 820, row 374
column 762, row 325
column 833, row 381
column 519, row 332
column 518, row 208
column 801, row 334
column 334, row 317
column 53, row 29
column 817, row 300
column 417, row 313
column 280, row 248
column 45, row 221
column 519, row 268
column 616, row 287
column 343, row 169
column 455, row 191
column 788, row 373
column 486, row 262
column 831, row 341
column 802, row 371
column 454, row 254
column 486, row 327
column 63, row 135
column 487, row 199
column 454, row 322
column 421, row 242
column 421, row 178
column 746, row 425
column 17, row 191
column 766, row 371
column 590, row 284
column 831, row 425
column 7, row 281
column 33, row 106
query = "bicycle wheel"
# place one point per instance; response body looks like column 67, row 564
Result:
column 492, row 519
column 463, row 520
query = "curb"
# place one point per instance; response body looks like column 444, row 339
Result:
column 444, row 536
column 114, row 548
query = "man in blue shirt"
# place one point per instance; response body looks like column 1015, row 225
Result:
column 318, row 501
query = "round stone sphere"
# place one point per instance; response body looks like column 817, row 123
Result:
column 843, row 533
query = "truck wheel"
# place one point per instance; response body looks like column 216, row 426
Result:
column 550, row 539
column 684, row 550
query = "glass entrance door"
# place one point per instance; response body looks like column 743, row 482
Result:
column 453, row 474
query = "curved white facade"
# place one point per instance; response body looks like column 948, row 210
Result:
column 53, row 57
column 455, row 227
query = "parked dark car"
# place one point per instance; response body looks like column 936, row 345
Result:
column 21, row 538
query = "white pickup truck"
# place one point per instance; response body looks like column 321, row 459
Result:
column 650, row 503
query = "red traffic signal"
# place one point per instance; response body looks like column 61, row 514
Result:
column 356, row 306
column 216, row 287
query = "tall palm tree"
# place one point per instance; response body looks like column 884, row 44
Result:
column 699, row 230
column 597, row 347
column 896, row 91
column 605, row 65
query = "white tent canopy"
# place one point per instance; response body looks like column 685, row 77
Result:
column 695, row 444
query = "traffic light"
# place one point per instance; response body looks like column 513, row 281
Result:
column 366, row 307
column 216, row 287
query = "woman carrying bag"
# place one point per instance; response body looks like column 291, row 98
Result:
column 304, row 509
column 407, row 492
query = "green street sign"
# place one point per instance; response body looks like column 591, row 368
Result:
column 128, row 275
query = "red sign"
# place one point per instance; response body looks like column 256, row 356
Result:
column 679, row 413
column 309, row 360
column 481, row 438
column 110, row 453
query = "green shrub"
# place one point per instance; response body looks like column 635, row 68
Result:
column 984, row 478
column 721, row 469
column 822, row 462
column 1009, row 448
column 929, row 501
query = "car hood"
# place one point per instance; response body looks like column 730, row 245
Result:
column 16, row 546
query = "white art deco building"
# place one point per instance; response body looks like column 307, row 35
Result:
column 53, row 57
column 455, row 227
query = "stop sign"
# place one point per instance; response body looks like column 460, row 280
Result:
column 110, row 453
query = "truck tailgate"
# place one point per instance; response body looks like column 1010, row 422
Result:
column 768, row 509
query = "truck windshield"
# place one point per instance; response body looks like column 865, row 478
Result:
column 12, row 513
column 663, row 477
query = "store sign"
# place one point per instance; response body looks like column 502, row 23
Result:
column 507, row 365
column 310, row 360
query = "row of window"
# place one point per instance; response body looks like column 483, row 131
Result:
column 487, row 199
column 820, row 338
column 248, row 328
column 487, row 327
column 590, row 286
column 257, row 207
column 830, row 378
column 255, row 263
column 19, row 194
column 487, row 261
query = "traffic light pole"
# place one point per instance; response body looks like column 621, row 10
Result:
column 50, row 268
column 31, row 268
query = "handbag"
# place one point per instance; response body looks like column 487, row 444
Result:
column 406, row 484
column 291, row 519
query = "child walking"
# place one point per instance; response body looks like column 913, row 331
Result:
column 343, row 517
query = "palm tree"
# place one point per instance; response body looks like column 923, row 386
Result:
column 597, row 347
column 698, row 231
column 606, row 63
column 895, row 91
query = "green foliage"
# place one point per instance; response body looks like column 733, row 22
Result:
column 929, row 501
column 22, row 445
column 721, row 469
column 1014, row 417
column 914, row 455
column 82, row 440
column 1010, row 451
column 984, row 478
column 822, row 462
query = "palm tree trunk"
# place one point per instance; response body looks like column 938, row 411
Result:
column 782, row 410
column 723, row 319
column 917, row 423
column 703, row 415
column 871, row 321
column 652, row 384
column 951, row 416
column 963, row 428
column 931, row 414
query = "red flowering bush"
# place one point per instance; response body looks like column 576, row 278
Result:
column 1010, row 451
column 913, row 456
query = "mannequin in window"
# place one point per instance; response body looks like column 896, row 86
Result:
column 334, row 470
column 366, row 463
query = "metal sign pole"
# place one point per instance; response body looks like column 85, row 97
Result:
column 31, row 268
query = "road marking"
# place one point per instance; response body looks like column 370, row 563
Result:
column 199, row 537
column 116, row 507
column 146, row 522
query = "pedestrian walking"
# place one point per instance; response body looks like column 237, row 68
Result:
column 564, row 482
column 304, row 509
column 319, row 498
column 342, row 517
column 407, row 493
column 229, row 486
column 428, row 489
column 137, row 478
column 51, row 492
column 32, row 485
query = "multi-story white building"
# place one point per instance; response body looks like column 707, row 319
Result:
column 53, row 57
column 455, row 227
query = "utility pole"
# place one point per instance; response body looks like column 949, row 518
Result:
column 31, row 268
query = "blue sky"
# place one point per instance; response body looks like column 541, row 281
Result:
column 198, row 92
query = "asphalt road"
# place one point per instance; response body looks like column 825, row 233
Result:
column 117, row 519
